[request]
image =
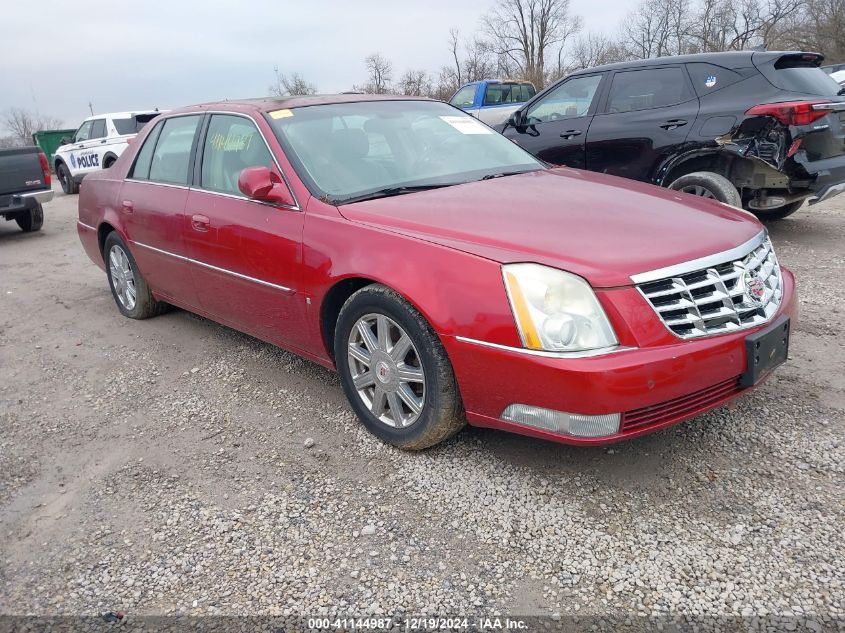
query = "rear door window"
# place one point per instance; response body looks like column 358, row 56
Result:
column 464, row 98
column 172, row 156
column 573, row 98
column 647, row 88
column 98, row 129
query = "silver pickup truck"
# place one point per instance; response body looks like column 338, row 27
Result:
column 25, row 184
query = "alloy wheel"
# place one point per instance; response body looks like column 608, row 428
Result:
column 386, row 370
column 123, row 278
column 698, row 190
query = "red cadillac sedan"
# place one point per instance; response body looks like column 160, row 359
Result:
column 446, row 274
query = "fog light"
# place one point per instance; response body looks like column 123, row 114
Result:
column 565, row 423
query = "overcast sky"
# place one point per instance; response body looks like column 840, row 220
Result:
column 58, row 56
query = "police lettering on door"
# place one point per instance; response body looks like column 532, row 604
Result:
column 85, row 160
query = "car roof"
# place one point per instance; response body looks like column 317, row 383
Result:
column 732, row 59
column 121, row 115
column 270, row 104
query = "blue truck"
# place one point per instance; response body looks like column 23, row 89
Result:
column 493, row 100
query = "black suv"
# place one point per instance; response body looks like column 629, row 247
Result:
column 761, row 130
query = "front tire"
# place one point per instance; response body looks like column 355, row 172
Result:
column 69, row 185
column 128, row 287
column 32, row 219
column 706, row 184
column 395, row 372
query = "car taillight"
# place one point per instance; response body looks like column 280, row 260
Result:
column 129, row 141
column 790, row 112
column 45, row 169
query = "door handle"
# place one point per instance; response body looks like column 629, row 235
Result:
column 571, row 133
column 673, row 124
column 200, row 223
column 127, row 206
column 103, row 142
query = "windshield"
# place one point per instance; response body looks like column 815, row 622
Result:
column 351, row 151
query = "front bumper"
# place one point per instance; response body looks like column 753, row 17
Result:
column 652, row 386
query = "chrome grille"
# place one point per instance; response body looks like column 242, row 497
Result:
column 719, row 298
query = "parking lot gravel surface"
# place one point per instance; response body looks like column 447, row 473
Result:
column 174, row 466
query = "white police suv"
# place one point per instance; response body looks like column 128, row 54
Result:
column 96, row 145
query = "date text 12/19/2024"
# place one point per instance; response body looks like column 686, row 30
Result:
column 418, row 624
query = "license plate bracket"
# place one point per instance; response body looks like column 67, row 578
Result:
column 765, row 350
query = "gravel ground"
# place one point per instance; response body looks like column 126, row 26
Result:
column 174, row 466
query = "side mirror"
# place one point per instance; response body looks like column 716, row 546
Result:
column 260, row 183
column 515, row 119
column 66, row 140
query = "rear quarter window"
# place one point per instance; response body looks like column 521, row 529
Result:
column 710, row 78
column 141, row 168
column 134, row 124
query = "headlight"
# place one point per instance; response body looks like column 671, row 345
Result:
column 556, row 311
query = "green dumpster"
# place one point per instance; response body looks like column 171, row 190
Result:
column 50, row 140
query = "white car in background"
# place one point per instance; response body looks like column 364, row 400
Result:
column 97, row 144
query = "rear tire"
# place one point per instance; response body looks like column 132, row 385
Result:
column 780, row 213
column 706, row 184
column 395, row 372
column 129, row 288
column 32, row 219
column 69, row 185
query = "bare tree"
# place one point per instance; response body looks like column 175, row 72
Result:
column 722, row 25
column 478, row 61
column 527, row 31
column 295, row 84
column 445, row 84
column 380, row 71
column 415, row 83
column 570, row 28
column 454, row 47
column 595, row 49
column 20, row 125
column 713, row 23
column 658, row 27
column 818, row 26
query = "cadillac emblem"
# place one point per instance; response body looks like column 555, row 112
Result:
column 755, row 289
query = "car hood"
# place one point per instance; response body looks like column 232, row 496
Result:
column 600, row 227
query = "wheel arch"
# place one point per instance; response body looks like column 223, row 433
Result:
column 103, row 231
column 711, row 160
column 337, row 295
